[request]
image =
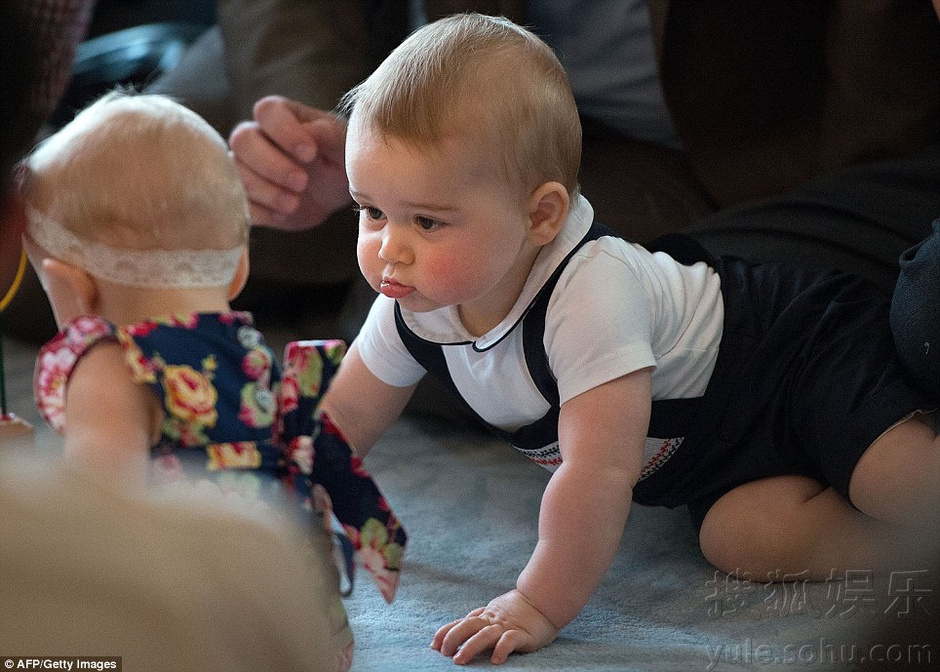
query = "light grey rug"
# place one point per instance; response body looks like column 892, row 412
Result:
column 470, row 505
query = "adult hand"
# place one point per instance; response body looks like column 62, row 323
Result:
column 291, row 160
column 508, row 623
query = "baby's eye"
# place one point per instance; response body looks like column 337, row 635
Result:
column 371, row 213
column 428, row 224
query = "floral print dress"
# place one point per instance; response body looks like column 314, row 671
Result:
column 232, row 419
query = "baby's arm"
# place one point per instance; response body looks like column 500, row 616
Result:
column 581, row 520
column 362, row 406
column 110, row 420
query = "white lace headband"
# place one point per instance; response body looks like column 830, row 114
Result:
column 134, row 268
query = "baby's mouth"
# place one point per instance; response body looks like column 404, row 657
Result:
column 395, row 290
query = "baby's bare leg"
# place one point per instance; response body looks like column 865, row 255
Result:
column 792, row 524
column 898, row 478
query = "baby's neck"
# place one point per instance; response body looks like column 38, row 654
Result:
column 131, row 305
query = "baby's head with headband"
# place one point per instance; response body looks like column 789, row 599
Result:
column 138, row 191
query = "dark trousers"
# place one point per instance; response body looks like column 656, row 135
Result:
column 859, row 219
column 915, row 314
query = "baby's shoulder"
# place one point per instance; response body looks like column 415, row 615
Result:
column 75, row 338
column 601, row 268
column 58, row 358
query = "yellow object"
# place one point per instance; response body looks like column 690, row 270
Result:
column 17, row 281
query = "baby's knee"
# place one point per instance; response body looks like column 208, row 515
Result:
column 755, row 530
column 720, row 548
column 749, row 553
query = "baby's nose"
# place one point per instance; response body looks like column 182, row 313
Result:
column 395, row 248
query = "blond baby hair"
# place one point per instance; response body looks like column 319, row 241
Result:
column 139, row 172
column 483, row 77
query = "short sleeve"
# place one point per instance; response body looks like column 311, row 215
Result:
column 382, row 350
column 599, row 323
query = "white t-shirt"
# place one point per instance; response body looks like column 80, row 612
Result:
column 616, row 309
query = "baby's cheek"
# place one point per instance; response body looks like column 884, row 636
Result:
column 367, row 255
column 450, row 276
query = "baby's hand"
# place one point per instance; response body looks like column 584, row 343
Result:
column 508, row 623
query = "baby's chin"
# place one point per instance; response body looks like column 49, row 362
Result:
column 416, row 302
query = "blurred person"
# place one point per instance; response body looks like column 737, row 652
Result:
column 94, row 568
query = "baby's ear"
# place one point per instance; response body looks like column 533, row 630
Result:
column 548, row 209
column 71, row 290
column 241, row 275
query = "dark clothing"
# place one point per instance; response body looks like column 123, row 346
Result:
column 915, row 314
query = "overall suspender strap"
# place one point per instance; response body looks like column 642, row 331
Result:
column 431, row 357
column 533, row 324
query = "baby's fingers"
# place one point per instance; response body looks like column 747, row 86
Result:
column 438, row 639
column 484, row 640
column 511, row 640
column 459, row 632
column 442, row 631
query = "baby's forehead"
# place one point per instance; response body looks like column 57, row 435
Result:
column 466, row 142
column 449, row 165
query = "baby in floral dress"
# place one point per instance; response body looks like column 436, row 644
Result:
column 138, row 230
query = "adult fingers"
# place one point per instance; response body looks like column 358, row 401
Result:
column 288, row 124
column 256, row 154
column 266, row 198
column 330, row 136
